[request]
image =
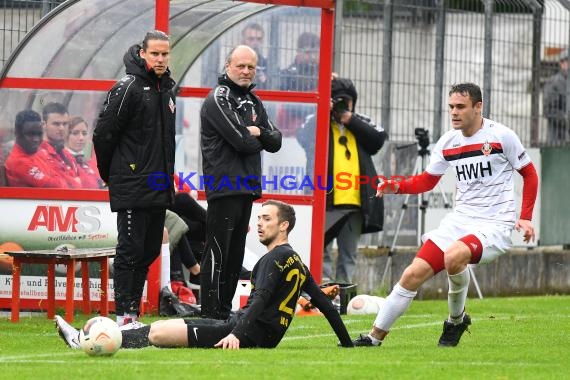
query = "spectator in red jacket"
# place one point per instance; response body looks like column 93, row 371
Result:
column 24, row 166
column 56, row 124
column 75, row 144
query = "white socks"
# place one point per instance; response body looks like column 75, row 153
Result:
column 165, row 265
column 375, row 342
column 395, row 305
column 457, row 294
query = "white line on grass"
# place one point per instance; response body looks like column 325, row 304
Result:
column 27, row 358
column 401, row 327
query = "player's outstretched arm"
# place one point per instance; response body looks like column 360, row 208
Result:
column 530, row 189
column 412, row 185
column 325, row 306
column 387, row 187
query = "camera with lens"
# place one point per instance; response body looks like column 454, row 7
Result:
column 339, row 105
column 422, row 135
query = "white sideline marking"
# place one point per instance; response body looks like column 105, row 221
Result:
column 26, row 358
column 349, row 321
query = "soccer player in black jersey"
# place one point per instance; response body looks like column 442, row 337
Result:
column 277, row 281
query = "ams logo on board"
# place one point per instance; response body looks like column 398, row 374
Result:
column 84, row 219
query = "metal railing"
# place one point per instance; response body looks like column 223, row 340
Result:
column 404, row 55
column 17, row 18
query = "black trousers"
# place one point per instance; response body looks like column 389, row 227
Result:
column 202, row 333
column 138, row 245
column 205, row 333
column 182, row 254
column 226, row 228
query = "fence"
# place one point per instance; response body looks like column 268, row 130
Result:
column 16, row 19
column 404, row 55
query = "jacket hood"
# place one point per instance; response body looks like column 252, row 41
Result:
column 135, row 65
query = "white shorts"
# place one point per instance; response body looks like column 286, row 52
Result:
column 495, row 238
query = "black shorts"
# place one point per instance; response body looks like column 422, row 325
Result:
column 205, row 333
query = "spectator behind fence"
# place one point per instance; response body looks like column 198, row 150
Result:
column 75, row 144
column 25, row 167
column 301, row 75
column 134, row 142
column 353, row 139
column 252, row 36
column 235, row 130
column 52, row 150
column 554, row 102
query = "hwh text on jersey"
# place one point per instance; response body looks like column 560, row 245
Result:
column 473, row 170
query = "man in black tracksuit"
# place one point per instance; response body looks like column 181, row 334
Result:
column 134, row 142
column 235, row 129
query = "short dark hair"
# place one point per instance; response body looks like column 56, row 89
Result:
column 154, row 35
column 285, row 212
column 255, row 26
column 470, row 89
column 308, row 40
column 53, row 107
column 24, row 117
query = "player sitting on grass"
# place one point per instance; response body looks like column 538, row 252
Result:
column 485, row 155
column 277, row 281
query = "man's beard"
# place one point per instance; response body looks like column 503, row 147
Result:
column 267, row 240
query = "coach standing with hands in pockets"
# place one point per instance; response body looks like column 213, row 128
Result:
column 235, row 129
column 134, row 140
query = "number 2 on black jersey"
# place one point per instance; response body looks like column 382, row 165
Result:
column 298, row 279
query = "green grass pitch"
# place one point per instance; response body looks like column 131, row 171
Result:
column 511, row 338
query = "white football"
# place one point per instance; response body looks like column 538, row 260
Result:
column 362, row 304
column 100, row 336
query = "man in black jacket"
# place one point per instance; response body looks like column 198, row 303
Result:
column 134, row 142
column 353, row 139
column 235, row 129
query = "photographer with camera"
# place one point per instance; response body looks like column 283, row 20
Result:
column 353, row 139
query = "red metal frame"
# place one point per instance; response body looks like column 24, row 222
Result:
column 267, row 95
column 321, row 98
column 57, row 84
column 162, row 17
column 321, row 142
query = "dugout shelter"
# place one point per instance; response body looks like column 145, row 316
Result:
column 74, row 55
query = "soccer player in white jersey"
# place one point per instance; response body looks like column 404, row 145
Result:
column 484, row 155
